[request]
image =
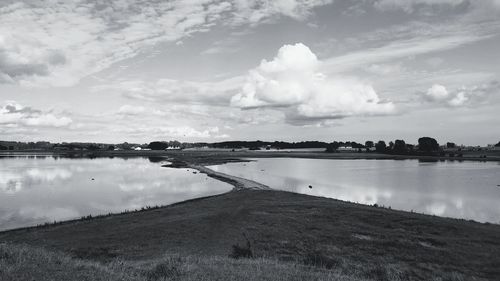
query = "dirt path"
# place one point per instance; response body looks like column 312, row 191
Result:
column 237, row 182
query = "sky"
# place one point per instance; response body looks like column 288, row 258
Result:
column 211, row 70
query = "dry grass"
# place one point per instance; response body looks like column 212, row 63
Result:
column 30, row 263
column 22, row 262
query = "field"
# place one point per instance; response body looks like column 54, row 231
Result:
column 257, row 235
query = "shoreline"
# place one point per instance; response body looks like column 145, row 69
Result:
column 213, row 157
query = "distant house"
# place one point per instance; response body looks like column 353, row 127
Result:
column 346, row 149
column 173, row 148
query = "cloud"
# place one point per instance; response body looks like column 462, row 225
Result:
column 410, row 5
column 384, row 69
column 14, row 114
column 461, row 96
column 293, row 83
column 400, row 49
column 166, row 132
column 255, row 11
column 437, row 93
column 178, row 91
column 131, row 110
column 37, row 49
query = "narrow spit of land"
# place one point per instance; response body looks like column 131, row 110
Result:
column 238, row 182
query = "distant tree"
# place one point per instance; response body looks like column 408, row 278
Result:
column 93, row 147
column 111, row 147
column 332, row 147
column 450, row 145
column 498, row 144
column 399, row 147
column 158, row 145
column 391, row 145
column 380, row 146
column 369, row 144
column 428, row 144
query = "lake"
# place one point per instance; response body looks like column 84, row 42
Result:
column 39, row 189
column 445, row 188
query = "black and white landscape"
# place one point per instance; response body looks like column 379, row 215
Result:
column 249, row 140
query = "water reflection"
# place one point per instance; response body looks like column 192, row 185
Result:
column 445, row 188
column 35, row 190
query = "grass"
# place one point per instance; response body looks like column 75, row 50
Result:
column 30, row 263
column 314, row 238
column 21, row 262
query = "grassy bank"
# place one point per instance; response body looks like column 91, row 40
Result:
column 282, row 230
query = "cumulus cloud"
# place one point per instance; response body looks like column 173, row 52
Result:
column 36, row 47
column 437, row 93
column 13, row 114
column 293, row 82
column 462, row 96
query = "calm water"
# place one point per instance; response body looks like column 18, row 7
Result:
column 35, row 190
column 453, row 189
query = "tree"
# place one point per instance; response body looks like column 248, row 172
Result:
column 391, row 145
column 428, row 144
column 380, row 146
column 498, row 144
column 450, row 145
column 400, row 147
column 332, row 147
column 158, row 145
column 369, row 144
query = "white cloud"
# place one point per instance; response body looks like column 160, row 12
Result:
column 57, row 43
column 437, row 93
column 292, row 82
column 462, row 96
column 131, row 110
column 384, row 69
column 255, row 11
column 14, row 114
column 417, row 45
column 179, row 91
column 459, row 100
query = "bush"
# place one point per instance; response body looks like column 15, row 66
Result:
column 242, row 251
